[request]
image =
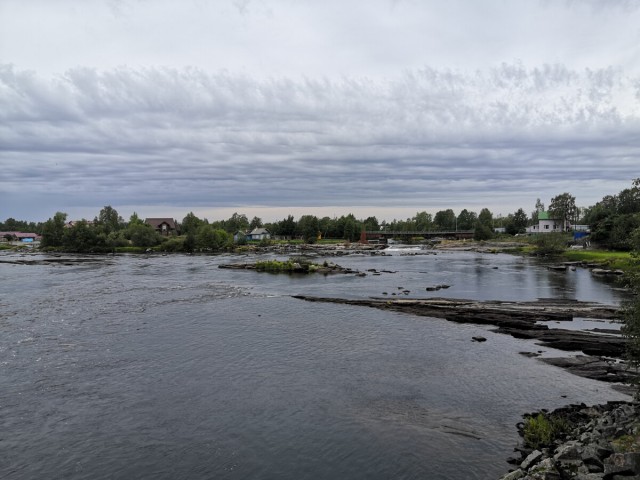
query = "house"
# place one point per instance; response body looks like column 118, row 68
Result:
column 259, row 234
column 546, row 224
column 240, row 235
column 19, row 237
column 164, row 226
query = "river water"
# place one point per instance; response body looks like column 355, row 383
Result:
column 166, row 367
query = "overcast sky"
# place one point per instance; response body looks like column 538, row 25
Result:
column 271, row 107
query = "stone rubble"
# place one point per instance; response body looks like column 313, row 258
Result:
column 603, row 443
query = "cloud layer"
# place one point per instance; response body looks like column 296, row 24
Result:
column 389, row 132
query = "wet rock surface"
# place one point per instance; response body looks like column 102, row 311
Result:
column 521, row 320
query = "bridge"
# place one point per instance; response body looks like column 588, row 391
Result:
column 384, row 235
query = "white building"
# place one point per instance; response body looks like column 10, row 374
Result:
column 545, row 224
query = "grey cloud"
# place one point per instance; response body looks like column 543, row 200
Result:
column 186, row 137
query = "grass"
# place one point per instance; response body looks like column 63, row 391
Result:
column 294, row 264
column 611, row 258
column 542, row 430
column 626, row 444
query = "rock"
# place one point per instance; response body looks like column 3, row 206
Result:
column 515, row 475
column 545, row 470
column 603, row 271
column 571, row 450
column 622, row 464
column 531, row 459
column 592, row 457
column 558, row 268
column 479, row 339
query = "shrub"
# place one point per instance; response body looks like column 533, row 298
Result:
column 550, row 243
column 541, row 430
column 173, row 244
column 294, row 264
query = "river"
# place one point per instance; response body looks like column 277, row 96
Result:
column 166, row 367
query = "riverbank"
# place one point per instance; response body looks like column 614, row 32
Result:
column 579, row 442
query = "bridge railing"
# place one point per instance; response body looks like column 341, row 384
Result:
column 416, row 233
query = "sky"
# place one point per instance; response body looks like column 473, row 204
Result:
column 278, row 107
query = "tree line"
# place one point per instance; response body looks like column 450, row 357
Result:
column 612, row 220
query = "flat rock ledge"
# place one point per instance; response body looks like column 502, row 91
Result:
column 602, row 443
column 518, row 319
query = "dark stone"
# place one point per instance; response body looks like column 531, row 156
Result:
column 622, row 464
column 479, row 339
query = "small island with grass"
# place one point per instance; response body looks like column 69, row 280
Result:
column 292, row 265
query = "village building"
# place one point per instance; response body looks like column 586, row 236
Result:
column 259, row 234
column 546, row 224
column 17, row 238
column 255, row 234
column 164, row 226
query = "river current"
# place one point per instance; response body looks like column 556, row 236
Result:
column 166, row 367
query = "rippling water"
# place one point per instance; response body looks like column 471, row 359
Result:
column 167, row 367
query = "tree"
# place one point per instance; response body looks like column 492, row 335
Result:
column 83, row 238
column 308, row 228
column 350, row 228
column 287, row 227
column 236, row 222
column 517, row 223
column 211, row 238
column 109, row 219
column 563, row 207
column 484, row 225
column 445, row 220
column 327, row 227
column 143, row 235
column 135, row 220
column 256, row 222
column 423, row 221
column 629, row 199
column 631, row 327
column 466, row 220
column 53, row 230
column 613, row 218
column 190, row 224
column 538, row 208
column 371, row 224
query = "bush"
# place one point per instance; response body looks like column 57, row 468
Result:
column 482, row 232
column 540, row 431
column 294, row 264
column 550, row 243
column 173, row 244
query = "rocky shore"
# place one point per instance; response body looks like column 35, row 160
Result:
column 598, row 443
column 594, row 443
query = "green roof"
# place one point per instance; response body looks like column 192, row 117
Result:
column 543, row 215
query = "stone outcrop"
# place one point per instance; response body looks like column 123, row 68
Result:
column 602, row 443
column 520, row 320
column 325, row 269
